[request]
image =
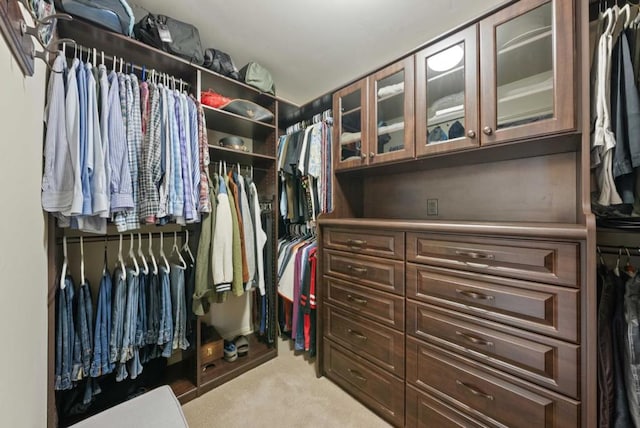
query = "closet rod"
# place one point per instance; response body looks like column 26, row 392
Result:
column 110, row 58
column 620, row 249
column 125, row 235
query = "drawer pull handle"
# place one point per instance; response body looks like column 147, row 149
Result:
column 356, row 375
column 475, row 391
column 476, row 265
column 357, row 334
column 357, row 300
column 357, row 269
column 356, row 243
column 474, row 295
column 474, row 339
column 475, row 255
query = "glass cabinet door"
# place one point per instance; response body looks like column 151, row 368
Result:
column 447, row 95
column 527, row 66
column 350, row 135
column 391, row 113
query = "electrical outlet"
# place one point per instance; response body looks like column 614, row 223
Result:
column 432, row 207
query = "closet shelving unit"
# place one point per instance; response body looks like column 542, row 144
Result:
column 187, row 378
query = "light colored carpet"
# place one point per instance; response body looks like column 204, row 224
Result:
column 283, row 392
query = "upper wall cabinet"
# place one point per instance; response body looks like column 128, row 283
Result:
column 527, row 74
column 374, row 118
column 523, row 66
column 391, row 113
column 351, row 126
column 447, row 94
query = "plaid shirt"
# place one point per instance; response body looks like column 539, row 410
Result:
column 129, row 220
column 204, row 203
column 150, row 174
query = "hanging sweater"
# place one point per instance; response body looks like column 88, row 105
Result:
column 206, row 256
column 234, row 195
column 238, row 270
column 223, row 243
column 249, row 233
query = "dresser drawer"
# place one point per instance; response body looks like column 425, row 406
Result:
column 378, row 389
column 381, row 345
column 548, row 362
column 425, row 411
column 382, row 274
column 546, row 261
column 380, row 306
column 545, row 309
column 380, row 243
column 490, row 398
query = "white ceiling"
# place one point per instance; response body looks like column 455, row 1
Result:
column 313, row 47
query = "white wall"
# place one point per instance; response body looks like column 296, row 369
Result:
column 23, row 269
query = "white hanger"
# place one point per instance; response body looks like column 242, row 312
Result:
column 82, row 277
column 141, row 255
column 162, row 254
column 176, row 250
column 123, row 273
column 63, row 275
column 185, row 247
column 132, row 256
column 153, row 258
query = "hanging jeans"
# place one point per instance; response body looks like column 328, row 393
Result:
column 129, row 349
column 118, row 309
column 165, row 330
column 141, row 325
column 84, row 324
column 65, row 335
column 100, row 364
column 179, row 306
column 154, row 296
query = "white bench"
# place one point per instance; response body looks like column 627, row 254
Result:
column 158, row 408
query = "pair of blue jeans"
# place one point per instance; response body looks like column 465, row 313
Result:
column 179, row 304
column 154, row 310
column 118, row 308
column 130, row 350
column 165, row 328
column 65, row 336
column 100, row 364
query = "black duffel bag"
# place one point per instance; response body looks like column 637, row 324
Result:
column 221, row 63
column 170, row 35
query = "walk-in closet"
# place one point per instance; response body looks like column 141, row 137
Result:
column 423, row 214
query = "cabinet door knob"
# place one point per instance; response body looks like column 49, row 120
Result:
column 487, row 130
column 363, row 156
column 471, row 133
column 371, row 155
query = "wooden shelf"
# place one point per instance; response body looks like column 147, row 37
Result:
column 125, row 47
column 232, row 88
column 353, row 110
column 183, row 387
column 245, row 158
column 231, row 123
column 224, row 371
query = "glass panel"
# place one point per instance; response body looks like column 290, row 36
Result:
column 445, row 94
column 524, row 71
column 390, row 119
column 351, row 132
